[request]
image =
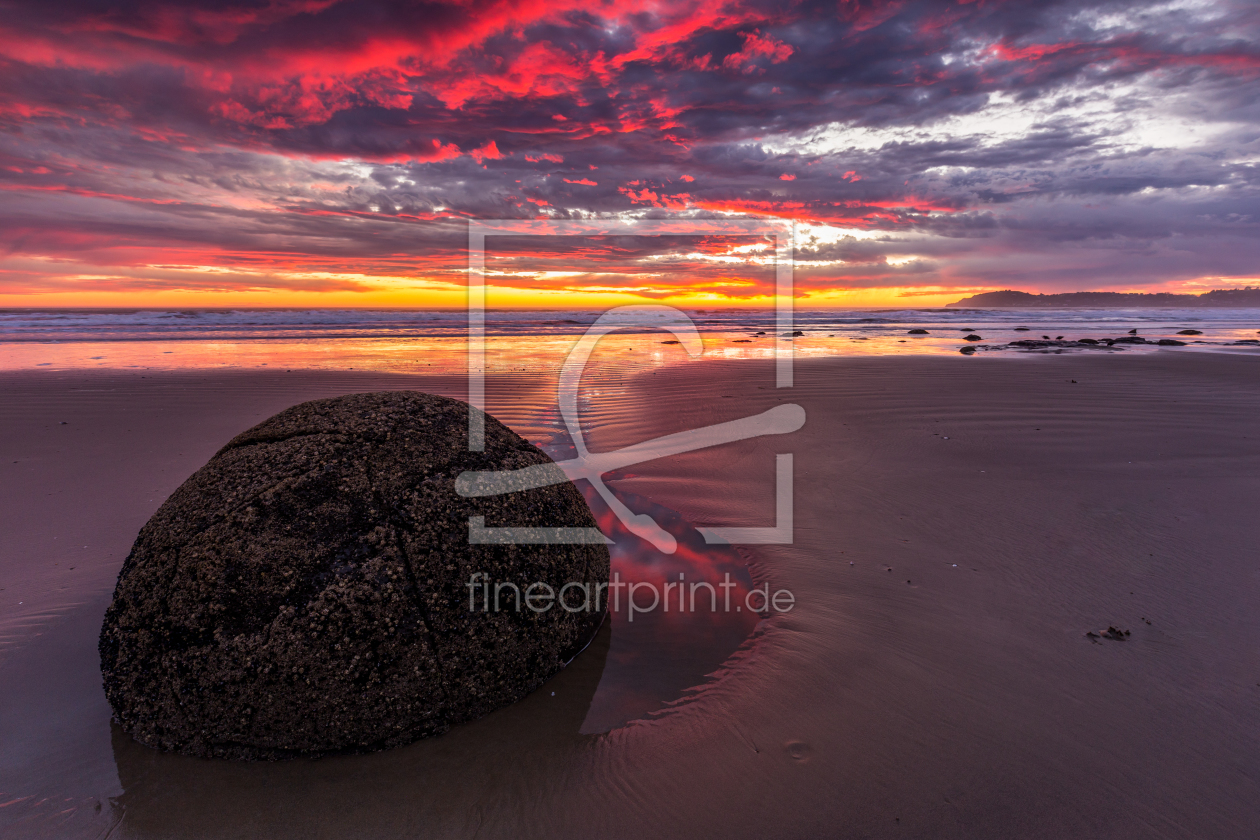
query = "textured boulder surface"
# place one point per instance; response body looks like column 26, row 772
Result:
column 306, row 591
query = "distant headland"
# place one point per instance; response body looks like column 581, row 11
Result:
column 1008, row 299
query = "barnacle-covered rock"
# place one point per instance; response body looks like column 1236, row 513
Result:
column 306, row 591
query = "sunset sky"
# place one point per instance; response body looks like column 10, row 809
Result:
column 330, row 152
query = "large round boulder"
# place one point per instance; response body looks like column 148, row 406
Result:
column 307, row 590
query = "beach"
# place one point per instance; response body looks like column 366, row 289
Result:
column 960, row 526
column 896, row 364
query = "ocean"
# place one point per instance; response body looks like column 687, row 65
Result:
column 409, row 340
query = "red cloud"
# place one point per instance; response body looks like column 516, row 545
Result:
column 757, row 45
column 680, row 201
column 1035, row 52
column 490, row 151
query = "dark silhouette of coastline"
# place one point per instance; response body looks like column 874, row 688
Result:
column 1008, row 299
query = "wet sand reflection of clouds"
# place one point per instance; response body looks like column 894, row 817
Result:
column 660, row 654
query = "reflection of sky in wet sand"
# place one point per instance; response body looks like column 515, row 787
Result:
column 658, row 655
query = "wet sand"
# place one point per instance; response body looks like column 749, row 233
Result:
column 956, row 695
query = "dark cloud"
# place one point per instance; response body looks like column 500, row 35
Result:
column 1050, row 145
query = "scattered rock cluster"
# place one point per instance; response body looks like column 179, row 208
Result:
column 1112, row 632
column 1058, row 344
